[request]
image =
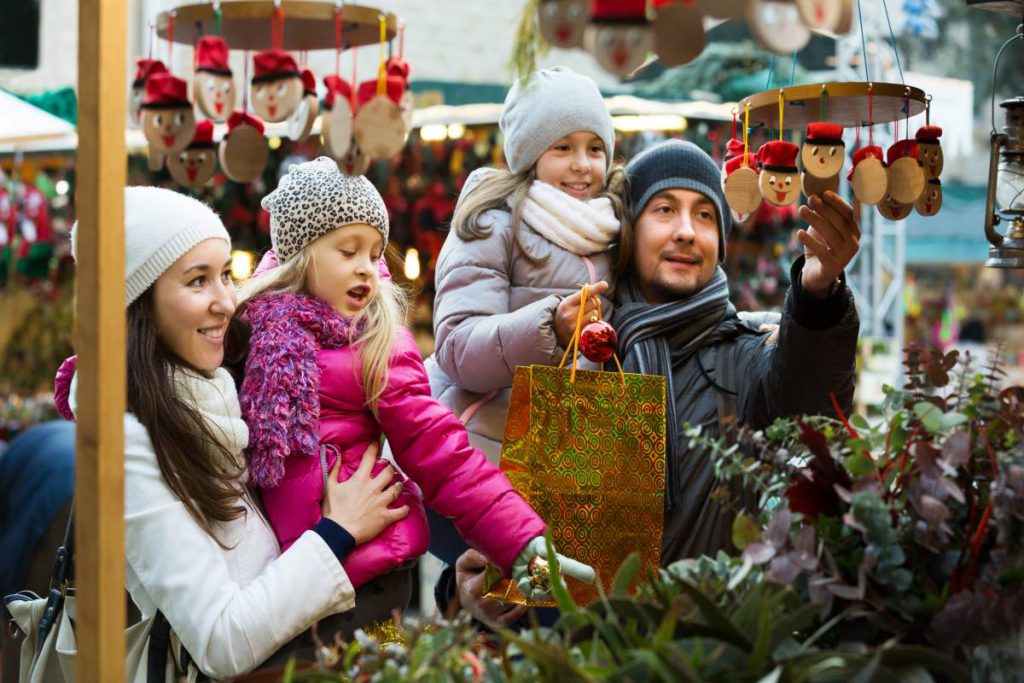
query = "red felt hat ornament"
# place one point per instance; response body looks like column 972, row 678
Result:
column 144, row 68
column 778, row 155
column 824, row 133
column 164, row 91
column 243, row 118
column 203, row 136
column 272, row 64
column 212, row 55
column 308, row 81
column 778, row 181
column 337, row 87
column 929, row 150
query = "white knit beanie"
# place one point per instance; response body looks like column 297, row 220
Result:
column 554, row 103
column 160, row 226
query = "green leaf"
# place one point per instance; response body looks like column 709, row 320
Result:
column 772, row 677
column 860, row 465
column 952, row 420
column 744, row 531
column 714, row 616
column 558, row 589
column 626, row 573
column 859, row 422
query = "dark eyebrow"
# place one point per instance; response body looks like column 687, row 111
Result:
column 205, row 267
column 667, row 196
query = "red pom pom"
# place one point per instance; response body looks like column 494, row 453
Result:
column 597, row 341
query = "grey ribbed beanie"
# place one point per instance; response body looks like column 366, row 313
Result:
column 554, row 103
column 160, row 226
column 678, row 164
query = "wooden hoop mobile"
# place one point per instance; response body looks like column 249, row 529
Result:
column 847, row 102
column 246, row 24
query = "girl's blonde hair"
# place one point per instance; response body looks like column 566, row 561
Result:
column 507, row 191
column 384, row 313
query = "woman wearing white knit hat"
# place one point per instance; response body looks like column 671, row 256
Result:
column 197, row 548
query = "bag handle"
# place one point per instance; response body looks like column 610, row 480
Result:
column 60, row 578
column 574, row 345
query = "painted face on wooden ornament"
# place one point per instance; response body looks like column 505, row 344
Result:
column 779, row 179
column 619, row 48
column 929, row 151
column 194, row 165
column 893, row 210
column 144, row 68
column 930, row 201
column 823, row 151
column 276, row 86
column 561, row 22
column 214, row 87
column 167, row 120
column 820, row 14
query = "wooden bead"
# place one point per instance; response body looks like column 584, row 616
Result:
column 354, row 162
column 869, row 181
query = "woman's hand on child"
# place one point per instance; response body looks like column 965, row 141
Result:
column 360, row 504
column 531, row 573
column 568, row 312
column 469, row 582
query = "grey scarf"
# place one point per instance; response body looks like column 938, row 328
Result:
column 653, row 338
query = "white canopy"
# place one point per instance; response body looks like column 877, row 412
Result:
column 25, row 125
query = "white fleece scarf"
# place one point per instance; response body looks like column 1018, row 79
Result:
column 579, row 227
column 216, row 400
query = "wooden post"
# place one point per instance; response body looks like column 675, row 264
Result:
column 100, row 341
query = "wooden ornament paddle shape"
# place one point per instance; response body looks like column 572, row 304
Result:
column 777, row 26
column 930, row 201
column 336, row 123
column 821, row 15
column 194, row 165
column 276, row 85
column 378, row 127
column 300, row 123
column 561, row 22
column 779, row 180
column 214, row 88
column 929, row 151
column 243, row 152
column 823, row 151
column 813, row 185
column 740, row 185
column 678, row 29
column 906, row 175
column 868, row 178
column 166, row 116
column 893, row 210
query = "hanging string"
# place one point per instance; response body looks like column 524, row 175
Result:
column 401, row 39
column 906, row 109
column 733, row 124
column 337, row 41
column 303, row 57
column 245, row 80
column 382, row 69
column 823, row 104
column 771, row 68
column 170, row 40
column 928, row 110
column 355, row 61
column 792, row 73
column 781, row 105
column 871, row 117
column 892, row 37
column 218, row 19
column 277, row 26
column 863, row 43
column 152, row 39
column 746, row 131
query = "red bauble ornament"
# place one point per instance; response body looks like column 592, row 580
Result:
column 597, row 341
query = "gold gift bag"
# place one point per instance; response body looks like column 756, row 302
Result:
column 587, row 450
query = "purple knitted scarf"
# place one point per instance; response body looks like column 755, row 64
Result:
column 280, row 394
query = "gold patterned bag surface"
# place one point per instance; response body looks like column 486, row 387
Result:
column 587, row 450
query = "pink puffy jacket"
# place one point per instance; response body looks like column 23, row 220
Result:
column 428, row 443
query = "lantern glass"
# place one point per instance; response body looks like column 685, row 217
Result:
column 1010, row 185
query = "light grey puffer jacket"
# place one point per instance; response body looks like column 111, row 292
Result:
column 494, row 310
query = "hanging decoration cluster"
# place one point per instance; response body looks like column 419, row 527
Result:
column 621, row 33
column 358, row 124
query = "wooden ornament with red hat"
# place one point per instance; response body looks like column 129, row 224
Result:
column 868, row 178
column 893, row 210
column 214, row 87
column 144, row 68
column 336, row 122
column 379, row 128
column 618, row 35
column 276, row 85
column 194, row 165
column 561, row 22
column 300, row 123
column 822, row 155
column 820, row 15
column 399, row 68
column 930, row 201
column 678, row 28
column 739, row 174
column 243, row 152
column 777, row 26
column 906, row 175
column 167, row 119
column 929, row 150
column 779, row 180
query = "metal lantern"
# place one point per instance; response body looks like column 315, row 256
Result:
column 1005, row 200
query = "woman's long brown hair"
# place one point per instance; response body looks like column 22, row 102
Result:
column 186, row 449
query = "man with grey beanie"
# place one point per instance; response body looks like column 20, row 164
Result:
column 674, row 318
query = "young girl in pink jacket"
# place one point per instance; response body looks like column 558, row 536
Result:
column 331, row 367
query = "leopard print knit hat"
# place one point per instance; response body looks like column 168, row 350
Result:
column 314, row 198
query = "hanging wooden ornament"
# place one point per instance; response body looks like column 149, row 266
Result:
column 194, row 165
column 336, row 123
column 929, row 150
column 930, row 201
column 812, row 185
column 777, row 26
column 845, row 21
column 892, row 210
column 214, row 87
column 354, row 162
column 618, row 35
column 906, row 175
column 243, row 152
column 779, row 178
column 166, row 114
column 276, row 85
column 300, row 123
column 820, row 15
column 678, row 28
column 144, row 68
column 378, row 127
column 823, row 152
column 561, row 22
column 740, row 185
column 399, row 68
column 867, row 176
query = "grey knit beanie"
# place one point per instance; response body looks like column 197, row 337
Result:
column 554, row 103
column 160, row 226
column 678, row 164
column 313, row 199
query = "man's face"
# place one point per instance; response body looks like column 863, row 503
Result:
column 676, row 245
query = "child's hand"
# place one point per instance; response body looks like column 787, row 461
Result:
column 569, row 309
column 360, row 505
